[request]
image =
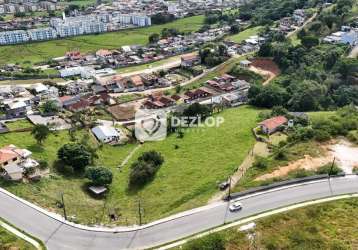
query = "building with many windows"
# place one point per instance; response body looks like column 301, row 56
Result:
column 13, row 37
column 42, row 34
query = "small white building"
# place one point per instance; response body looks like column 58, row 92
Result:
column 106, row 134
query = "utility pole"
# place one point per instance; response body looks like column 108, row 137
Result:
column 63, row 206
column 229, row 195
column 139, row 212
column 330, row 170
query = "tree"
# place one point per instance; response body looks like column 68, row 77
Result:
column 309, row 41
column 154, row 38
column 178, row 89
column 152, row 157
column 144, row 169
column 99, row 176
column 50, row 107
column 40, row 132
column 75, row 155
column 197, row 110
column 234, row 29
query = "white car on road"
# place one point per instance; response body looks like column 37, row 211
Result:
column 235, row 206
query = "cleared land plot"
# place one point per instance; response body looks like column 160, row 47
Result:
column 203, row 157
column 324, row 226
column 241, row 36
column 43, row 51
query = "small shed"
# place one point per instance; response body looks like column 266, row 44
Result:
column 245, row 63
column 97, row 190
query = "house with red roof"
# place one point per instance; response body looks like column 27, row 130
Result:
column 273, row 124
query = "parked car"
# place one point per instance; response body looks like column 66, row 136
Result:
column 235, row 206
column 224, row 185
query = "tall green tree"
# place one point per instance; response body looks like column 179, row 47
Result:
column 40, row 132
column 75, row 155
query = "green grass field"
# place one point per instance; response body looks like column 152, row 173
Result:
column 9, row 241
column 43, row 51
column 324, row 226
column 238, row 38
column 19, row 124
column 148, row 65
column 188, row 177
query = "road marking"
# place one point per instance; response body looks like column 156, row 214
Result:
column 256, row 217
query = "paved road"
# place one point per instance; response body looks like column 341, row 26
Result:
column 62, row 236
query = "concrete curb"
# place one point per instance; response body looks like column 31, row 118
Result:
column 258, row 216
column 20, row 234
column 151, row 224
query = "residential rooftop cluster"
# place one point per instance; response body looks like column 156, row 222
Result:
column 23, row 6
column 75, row 63
column 347, row 35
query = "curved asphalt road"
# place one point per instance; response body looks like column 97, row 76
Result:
column 57, row 235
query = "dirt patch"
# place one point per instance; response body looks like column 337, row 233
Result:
column 307, row 163
column 344, row 153
column 265, row 67
column 266, row 64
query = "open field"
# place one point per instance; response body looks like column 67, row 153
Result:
column 9, row 241
column 238, row 38
column 149, row 65
column 43, row 51
column 203, row 157
column 325, row 226
column 19, row 124
column 30, row 81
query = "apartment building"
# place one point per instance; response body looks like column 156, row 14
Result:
column 42, row 34
column 13, row 37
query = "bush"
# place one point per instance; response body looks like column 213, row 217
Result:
column 43, row 164
column 213, row 241
column 99, row 176
column 280, row 154
column 355, row 170
column 325, row 169
column 152, row 157
column 322, row 135
column 353, row 136
column 260, row 163
column 144, row 169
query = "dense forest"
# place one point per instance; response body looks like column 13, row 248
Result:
column 314, row 76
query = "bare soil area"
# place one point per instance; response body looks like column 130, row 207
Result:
column 344, row 153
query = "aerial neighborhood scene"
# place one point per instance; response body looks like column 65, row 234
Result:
column 178, row 124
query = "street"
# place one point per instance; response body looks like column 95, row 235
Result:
column 60, row 236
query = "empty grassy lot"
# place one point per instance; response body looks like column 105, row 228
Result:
column 43, row 51
column 238, row 38
column 325, row 226
column 188, row 177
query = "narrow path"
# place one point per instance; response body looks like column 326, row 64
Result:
column 124, row 162
column 265, row 73
column 259, row 149
column 309, row 20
